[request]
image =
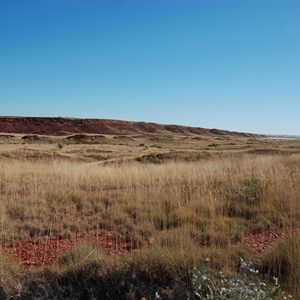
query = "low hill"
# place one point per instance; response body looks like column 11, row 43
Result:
column 65, row 126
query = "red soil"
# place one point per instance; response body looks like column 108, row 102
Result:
column 264, row 241
column 65, row 126
column 46, row 251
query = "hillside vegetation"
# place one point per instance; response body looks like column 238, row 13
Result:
column 62, row 126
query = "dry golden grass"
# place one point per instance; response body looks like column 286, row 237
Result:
column 261, row 191
column 180, row 211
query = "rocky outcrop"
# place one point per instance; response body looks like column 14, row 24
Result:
column 67, row 126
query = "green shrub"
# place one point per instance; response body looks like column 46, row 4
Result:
column 213, row 145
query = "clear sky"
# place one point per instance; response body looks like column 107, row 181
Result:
column 217, row 64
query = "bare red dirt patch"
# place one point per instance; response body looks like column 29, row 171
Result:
column 264, row 241
column 46, row 250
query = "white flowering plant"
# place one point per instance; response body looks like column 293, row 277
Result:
column 243, row 285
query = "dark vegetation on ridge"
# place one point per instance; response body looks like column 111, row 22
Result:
column 63, row 126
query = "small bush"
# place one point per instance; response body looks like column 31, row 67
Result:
column 250, row 192
column 156, row 146
column 245, row 201
column 243, row 285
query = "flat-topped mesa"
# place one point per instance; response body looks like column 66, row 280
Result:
column 65, row 126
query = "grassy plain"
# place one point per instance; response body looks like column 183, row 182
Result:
column 154, row 207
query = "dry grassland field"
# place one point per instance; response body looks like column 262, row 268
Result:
column 149, row 216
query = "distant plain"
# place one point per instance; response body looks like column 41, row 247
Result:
column 145, row 209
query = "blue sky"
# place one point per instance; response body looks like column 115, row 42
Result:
column 216, row 64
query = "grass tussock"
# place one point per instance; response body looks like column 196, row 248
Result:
column 283, row 262
column 11, row 276
column 178, row 213
column 164, row 268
